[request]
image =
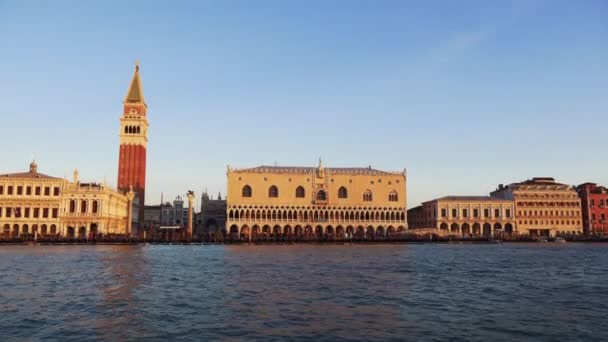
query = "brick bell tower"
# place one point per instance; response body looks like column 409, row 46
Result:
column 133, row 142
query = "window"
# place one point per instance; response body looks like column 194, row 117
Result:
column 592, row 217
column 342, row 192
column 0, row 211
column 454, row 212
column 321, row 196
column 300, row 193
column 486, row 213
column 95, row 207
column 47, row 191
column 19, row 190
column 367, row 196
column 496, row 212
column 36, row 212
column 475, row 212
column 273, row 192
column 465, row 213
column 603, row 217
column 55, row 212
column 1, row 189
column 508, row 213
column 246, row 192
column 37, row 191
column 26, row 212
column 72, row 206
column 28, row 190
column 592, row 203
column 444, row 212
column 45, row 212
column 9, row 211
column 56, row 191
column 393, row 196
column 10, row 190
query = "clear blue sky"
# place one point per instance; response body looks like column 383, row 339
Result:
column 464, row 94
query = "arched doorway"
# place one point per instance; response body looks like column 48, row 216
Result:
column 380, row 232
column 43, row 230
column 34, row 229
column 287, row 230
column 71, row 232
column 350, row 231
column 298, row 231
column 390, row 231
column 318, row 231
column 234, row 230
column 454, row 228
column 245, row 232
column 53, row 229
column 266, row 231
column 476, row 229
column 276, row 230
column 497, row 227
column 15, row 230
column 6, row 230
column 466, row 229
column 329, row 230
column 370, row 234
column 82, row 232
column 509, row 228
column 340, row 232
column 443, row 226
column 487, row 229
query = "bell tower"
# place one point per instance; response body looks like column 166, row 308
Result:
column 133, row 142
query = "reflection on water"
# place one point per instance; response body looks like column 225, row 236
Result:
column 312, row 292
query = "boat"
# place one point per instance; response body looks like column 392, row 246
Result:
column 542, row 239
column 559, row 239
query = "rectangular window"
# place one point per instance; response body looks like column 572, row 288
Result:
column 454, row 212
column 603, row 217
column 28, row 190
column 56, row 191
column 444, row 212
column 508, row 213
column 37, row 191
column 475, row 212
column 55, row 212
column 0, row 211
column 1, row 189
column 19, row 190
column 486, row 213
column 47, row 191
column 592, row 217
column 26, row 212
column 9, row 211
column 36, row 212
column 496, row 212
column 465, row 213
column 10, row 190
column 45, row 212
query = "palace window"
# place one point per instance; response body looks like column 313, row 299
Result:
column 465, row 213
column 55, row 212
column 321, row 196
column 246, row 191
column 36, row 212
column 26, row 213
column 10, row 190
column 45, row 212
column 1, row 189
column 454, row 212
column 300, row 193
column 28, row 190
column 393, row 196
column 95, row 207
column 486, row 212
column 37, row 191
column 9, row 211
column 273, row 191
column 47, row 191
column 508, row 213
column 342, row 192
column 19, row 190
column 56, row 191
column 444, row 212
column 496, row 212
column 72, row 206
column 367, row 196
column 475, row 212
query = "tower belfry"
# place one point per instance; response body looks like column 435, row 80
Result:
column 133, row 141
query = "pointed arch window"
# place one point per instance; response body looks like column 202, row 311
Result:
column 246, row 191
column 393, row 196
column 367, row 196
column 300, row 193
column 342, row 192
column 273, row 192
column 321, row 196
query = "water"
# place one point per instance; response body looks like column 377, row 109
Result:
column 310, row 292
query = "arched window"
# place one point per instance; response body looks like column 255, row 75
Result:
column 137, row 130
column 300, row 193
column 246, row 191
column 321, row 196
column 342, row 192
column 72, row 206
column 367, row 196
column 393, row 196
column 273, row 191
column 126, row 129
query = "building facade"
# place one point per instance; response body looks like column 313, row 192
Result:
column 543, row 206
column 212, row 217
column 315, row 202
column 33, row 203
column 133, row 143
column 594, row 207
column 465, row 215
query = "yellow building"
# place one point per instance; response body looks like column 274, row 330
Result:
column 315, row 202
column 34, row 203
column 30, row 202
column 465, row 215
column 543, row 206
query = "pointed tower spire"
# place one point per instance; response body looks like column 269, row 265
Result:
column 136, row 91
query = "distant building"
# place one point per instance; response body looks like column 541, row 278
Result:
column 166, row 214
column 315, row 201
column 594, row 205
column 543, row 206
column 32, row 202
column 212, row 217
column 465, row 215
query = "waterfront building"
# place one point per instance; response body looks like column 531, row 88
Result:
column 133, row 143
column 543, row 206
column 465, row 215
column 90, row 209
column 594, row 207
column 35, row 203
column 315, row 202
column 212, row 217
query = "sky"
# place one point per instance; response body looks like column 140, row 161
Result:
column 464, row 95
